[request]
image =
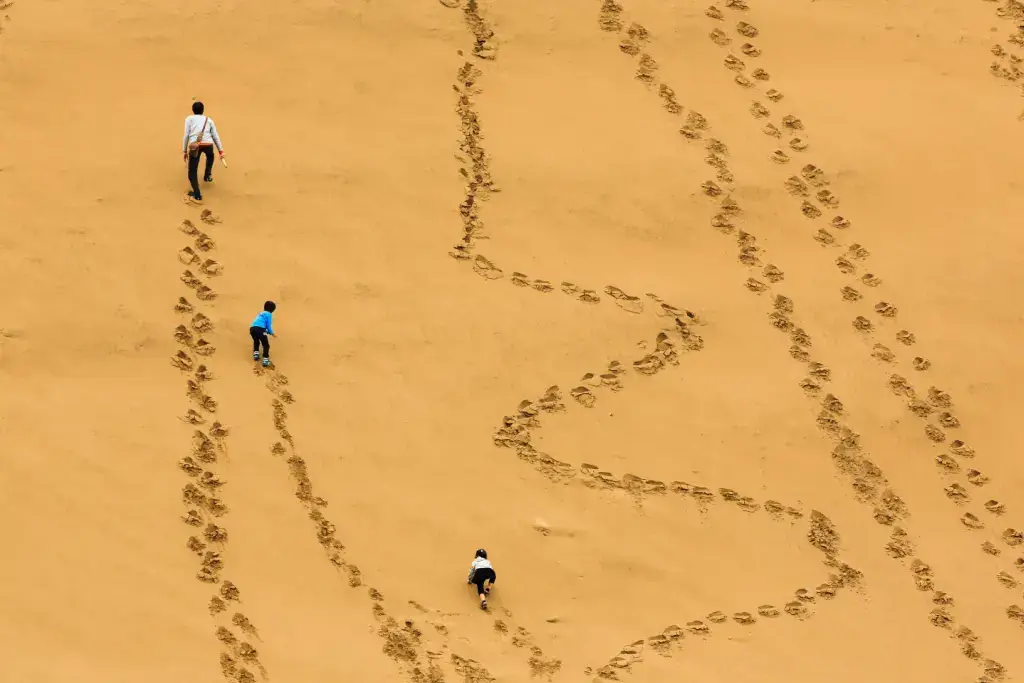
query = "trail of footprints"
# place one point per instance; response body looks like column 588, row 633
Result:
column 866, row 478
column 203, row 467
column 1006, row 63
column 933, row 406
column 674, row 339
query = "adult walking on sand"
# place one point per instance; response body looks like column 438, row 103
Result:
column 200, row 138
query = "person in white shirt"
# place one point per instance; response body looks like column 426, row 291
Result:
column 481, row 573
column 200, row 138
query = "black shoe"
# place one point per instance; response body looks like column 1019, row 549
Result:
column 208, row 179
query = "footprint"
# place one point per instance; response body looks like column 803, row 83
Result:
column 1007, row 580
column 957, row 493
column 758, row 110
column 743, row 81
column 858, row 252
column 886, row 310
column 204, row 293
column 870, row 280
column 190, row 279
column 722, row 224
column 919, row 408
column 971, row 521
column 940, row 399
column 824, row 237
column 631, row 304
column 800, row 337
column 941, row 618
column 827, row 198
column 977, row 478
column 698, row 627
column 793, row 123
column 200, row 323
column 840, row 223
column 845, row 265
column 799, row 354
column 717, row 617
column 809, row 210
column 589, row 296
column 780, row 157
column 740, row 5
column 208, row 217
column 819, row 371
column 756, row 285
column 798, row 144
column 749, row 50
column 690, row 132
column 710, row 189
column 796, row 609
column 760, row 74
column 934, row 433
column 485, row 268
column 204, row 242
column 773, row 95
column 796, row 187
column 906, row 338
column 205, row 348
column 745, row 618
column 570, row 288
column 862, row 324
column 182, row 361
column 921, row 364
column 719, row 37
column 850, row 294
column 783, row 304
column 583, row 396
column 883, row 353
column 189, row 228
column 210, row 267
column 773, row 274
column 542, row 286
column 814, row 175
column 771, row 130
column 188, row 256
column 768, row 611
column 183, row 306
column 746, row 30
column 780, row 322
column 1013, row 538
column 995, row 507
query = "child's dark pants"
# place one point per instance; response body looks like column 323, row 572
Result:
column 481, row 575
column 259, row 338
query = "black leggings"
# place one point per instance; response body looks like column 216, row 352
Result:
column 193, row 168
column 259, row 338
column 481, row 575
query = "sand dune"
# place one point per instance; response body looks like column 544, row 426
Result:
column 702, row 320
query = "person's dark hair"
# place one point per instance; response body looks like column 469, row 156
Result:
column 481, row 553
column 198, row 108
column 270, row 307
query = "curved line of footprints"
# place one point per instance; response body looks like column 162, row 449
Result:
column 867, row 479
column 674, row 339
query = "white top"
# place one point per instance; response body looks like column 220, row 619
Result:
column 194, row 124
column 481, row 563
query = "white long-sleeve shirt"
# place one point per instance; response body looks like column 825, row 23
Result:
column 479, row 563
column 194, row 124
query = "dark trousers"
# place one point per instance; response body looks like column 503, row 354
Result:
column 193, row 168
column 259, row 338
column 481, row 575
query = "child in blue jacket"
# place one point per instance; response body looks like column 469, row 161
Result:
column 261, row 327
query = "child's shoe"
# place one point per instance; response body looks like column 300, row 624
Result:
column 255, row 355
column 266, row 362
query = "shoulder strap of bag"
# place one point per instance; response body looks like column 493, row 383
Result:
column 202, row 131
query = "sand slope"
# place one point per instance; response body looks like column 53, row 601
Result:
column 711, row 343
